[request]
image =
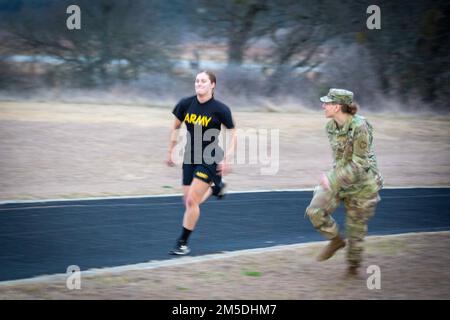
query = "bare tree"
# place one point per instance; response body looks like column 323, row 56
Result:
column 118, row 39
column 234, row 20
column 412, row 50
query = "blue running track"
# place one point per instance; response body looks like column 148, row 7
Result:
column 46, row 237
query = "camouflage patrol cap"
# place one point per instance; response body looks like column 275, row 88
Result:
column 338, row 96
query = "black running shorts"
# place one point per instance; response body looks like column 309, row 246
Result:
column 204, row 172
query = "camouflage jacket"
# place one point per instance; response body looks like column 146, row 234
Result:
column 355, row 167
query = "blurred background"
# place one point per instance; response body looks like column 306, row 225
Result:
column 267, row 54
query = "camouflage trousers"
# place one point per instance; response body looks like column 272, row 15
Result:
column 359, row 209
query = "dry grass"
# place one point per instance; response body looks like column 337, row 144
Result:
column 412, row 267
column 69, row 151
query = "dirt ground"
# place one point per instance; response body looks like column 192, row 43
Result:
column 410, row 267
column 70, row 151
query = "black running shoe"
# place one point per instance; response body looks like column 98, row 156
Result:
column 220, row 190
column 181, row 249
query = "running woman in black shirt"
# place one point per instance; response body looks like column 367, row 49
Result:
column 204, row 161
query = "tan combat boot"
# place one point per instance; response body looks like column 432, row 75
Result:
column 334, row 245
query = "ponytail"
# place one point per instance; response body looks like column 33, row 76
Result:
column 350, row 108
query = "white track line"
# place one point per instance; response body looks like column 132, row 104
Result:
column 14, row 201
column 146, row 205
column 188, row 260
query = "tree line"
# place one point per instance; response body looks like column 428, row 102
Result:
column 302, row 47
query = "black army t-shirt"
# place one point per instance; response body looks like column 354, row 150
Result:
column 203, row 122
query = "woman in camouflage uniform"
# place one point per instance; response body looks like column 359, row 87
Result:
column 354, row 179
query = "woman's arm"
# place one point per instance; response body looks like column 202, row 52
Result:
column 173, row 141
column 224, row 166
